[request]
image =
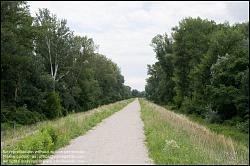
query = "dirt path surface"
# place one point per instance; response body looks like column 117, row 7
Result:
column 118, row 139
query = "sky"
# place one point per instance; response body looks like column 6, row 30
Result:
column 123, row 29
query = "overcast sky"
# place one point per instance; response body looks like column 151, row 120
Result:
column 123, row 30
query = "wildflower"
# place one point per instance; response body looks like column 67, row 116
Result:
column 170, row 145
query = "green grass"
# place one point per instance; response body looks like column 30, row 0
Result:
column 174, row 139
column 51, row 135
column 227, row 130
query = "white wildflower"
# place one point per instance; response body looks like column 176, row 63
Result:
column 170, row 145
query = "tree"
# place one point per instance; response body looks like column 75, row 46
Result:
column 206, row 64
column 53, row 44
column 161, row 87
column 191, row 43
column 47, row 72
column 16, row 49
column 53, row 106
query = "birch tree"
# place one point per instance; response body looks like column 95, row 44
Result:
column 53, row 44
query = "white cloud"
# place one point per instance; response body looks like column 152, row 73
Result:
column 123, row 30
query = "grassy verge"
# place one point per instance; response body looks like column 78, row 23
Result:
column 174, row 139
column 226, row 130
column 35, row 143
column 229, row 131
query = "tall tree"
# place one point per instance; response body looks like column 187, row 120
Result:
column 53, row 44
column 16, row 49
column 207, row 67
column 191, row 43
column 48, row 72
column 162, row 72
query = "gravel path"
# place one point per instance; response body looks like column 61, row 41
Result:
column 118, row 139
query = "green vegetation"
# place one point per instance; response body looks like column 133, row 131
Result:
column 136, row 93
column 225, row 129
column 174, row 139
column 51, row 135
column 53, row 107
column 50, row 77
column 203, row 69
column 47, row 71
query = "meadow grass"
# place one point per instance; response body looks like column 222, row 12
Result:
column 174, row 139
column 225, row 129
column 32, row 144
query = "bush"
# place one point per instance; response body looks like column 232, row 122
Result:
column 243, row 126
column 187, row 106
column 178, row 101
column 52, row 133
column 20, row 115
column 40, row 141
column 233, row 122
column 53, row 105
column 64, row 111
column 6, row 126
column 212, row 116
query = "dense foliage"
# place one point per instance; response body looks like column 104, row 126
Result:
column 47, row 71
column 203, row 69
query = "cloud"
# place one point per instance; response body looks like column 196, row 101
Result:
column 238, row 11
column 123, row 30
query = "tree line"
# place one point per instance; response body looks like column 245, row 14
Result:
column 47, row 71
column 203, row 69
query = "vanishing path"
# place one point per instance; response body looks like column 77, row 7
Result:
column 119, row 139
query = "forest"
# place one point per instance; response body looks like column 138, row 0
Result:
column 202, row 69
column 48, row 72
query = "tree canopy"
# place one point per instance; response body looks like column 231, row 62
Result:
column 203, row 69
column 47, row 71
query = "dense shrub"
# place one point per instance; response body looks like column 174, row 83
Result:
column 243, row 126
column 212, row 116
column 36, row 143
column 188, row 106
column 52, row 133
column 20, row 115
column 53, row 106
column 64, row 111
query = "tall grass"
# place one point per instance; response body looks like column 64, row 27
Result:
column 49, row 136
column 173, row 139
column 224, row 128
